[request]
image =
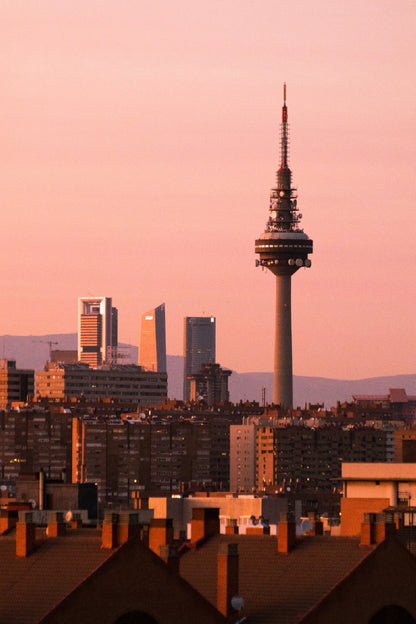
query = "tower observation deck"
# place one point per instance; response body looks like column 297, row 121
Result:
column 283, row 248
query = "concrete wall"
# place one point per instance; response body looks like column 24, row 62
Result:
column 239, row 508
column 353, row 510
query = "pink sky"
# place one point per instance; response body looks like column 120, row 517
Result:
column 139, row 144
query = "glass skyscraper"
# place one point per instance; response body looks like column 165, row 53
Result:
column 199, row 347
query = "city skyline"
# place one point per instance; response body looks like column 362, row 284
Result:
column 139, row 146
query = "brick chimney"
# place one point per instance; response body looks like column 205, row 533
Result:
column 160, row 533
column 286, row 536
column 258, row 529
column 376, row 528
column 76, row 521
column 8, row 519
column 128, row 526
column 227, row 577
column 25, row 534
column 205, row 523
column 169, row 554
column 109, row 530
column 56, row 524
column 317, row 524
column 232, row 527
column 119, row 528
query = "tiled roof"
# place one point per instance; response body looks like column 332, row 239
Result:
column 278, row 588
column 30, row 587
column 398, row 395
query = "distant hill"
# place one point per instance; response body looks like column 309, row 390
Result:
column 33, row 352
column 317, row 389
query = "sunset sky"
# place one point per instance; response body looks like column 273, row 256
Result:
column 139, row 143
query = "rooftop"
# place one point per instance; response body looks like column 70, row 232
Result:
column 363, row 471
column 283, row 588
column 39, row 582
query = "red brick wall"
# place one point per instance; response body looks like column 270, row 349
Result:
column 386, row 577
column 133, row 579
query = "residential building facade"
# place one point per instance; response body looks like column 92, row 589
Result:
column 126, row 382
column 15, row 384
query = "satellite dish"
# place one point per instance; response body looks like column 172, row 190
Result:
column 32, row 502
column 3, row 488
column 307, row 526
column 47, row 531
column 237, row 603
column 68, row 516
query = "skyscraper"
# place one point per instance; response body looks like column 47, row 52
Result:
column 152, row 351
column 97, row 331
column 198, row 347
column 283, row 249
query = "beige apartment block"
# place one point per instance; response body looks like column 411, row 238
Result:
column 125, row 382
column 16, row 384
column 373, row 488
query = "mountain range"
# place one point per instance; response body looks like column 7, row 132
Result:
column 33, row 352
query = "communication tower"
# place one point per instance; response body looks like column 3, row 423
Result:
column 283, row 248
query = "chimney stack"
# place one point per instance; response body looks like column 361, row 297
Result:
column 128, row 526
column 8, row 519
column 317, row 524
column 169, row 554
column 286, row 536
column 56, row 524
column 25, row 534
column 160, row 533
column 232, row 527
column 227, row 577
column 119, row 528
column 110, row 530
column 76, row 521
column 376, row 528
column 205, row 523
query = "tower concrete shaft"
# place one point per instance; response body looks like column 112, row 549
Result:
column 283, row 379
column 283, row 248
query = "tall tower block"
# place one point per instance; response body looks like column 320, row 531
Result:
column 198, row 347
column 283, row 248
column 97, row 331
column 152, row 351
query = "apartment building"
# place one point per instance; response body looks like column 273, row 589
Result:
column 134, row 454
column 124, row 382
column 16, row 384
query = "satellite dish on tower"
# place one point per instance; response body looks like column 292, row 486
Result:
column 68, row 516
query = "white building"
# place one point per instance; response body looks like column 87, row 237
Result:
column 97, row 331
column 373, row 488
